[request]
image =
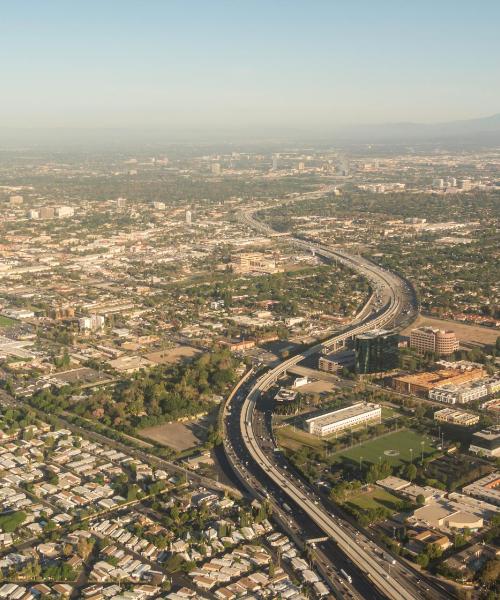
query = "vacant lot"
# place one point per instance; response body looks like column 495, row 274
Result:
column 178, row 436
column 465, row 333
column 395, row 448
column 375, row 499
column 173, row 355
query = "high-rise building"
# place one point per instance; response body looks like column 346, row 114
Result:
column 16, row 200
column 189, row 217
column 216, row 169
column 64, row 211
column 376, row 351
column 276, row 162
column 429, row 339
column 46, row 212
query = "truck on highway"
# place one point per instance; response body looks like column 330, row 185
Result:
column 346, row 575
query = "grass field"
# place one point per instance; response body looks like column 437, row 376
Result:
column 400, row 441
column 6, row 322
column 375, row 499
column 293, row 438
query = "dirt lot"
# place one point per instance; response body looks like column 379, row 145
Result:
column 173, row 355
column 178, row 436
column 466, row 333
column 316, row 387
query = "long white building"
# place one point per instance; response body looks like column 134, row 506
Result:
column 344, row 418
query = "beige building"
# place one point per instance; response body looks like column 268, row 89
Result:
column 255, row 262
column 428, row 339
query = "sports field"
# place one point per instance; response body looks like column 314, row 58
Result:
column 395, row 448
column 375, row 499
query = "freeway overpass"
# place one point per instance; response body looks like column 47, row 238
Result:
column 396, row 300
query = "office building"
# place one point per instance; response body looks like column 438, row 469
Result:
column 92, row 323
column 336, row 361
column 64, row 211
column 428, row 339
column 276, row 162
column 456, row 417
column 344, row 418
column 216, row 169
column 486, row 442
column 249, row 262
column 16, row 200
column 46, row 212
column 376, row 351
column 189, row 217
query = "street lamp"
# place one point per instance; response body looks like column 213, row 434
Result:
column 411, row 455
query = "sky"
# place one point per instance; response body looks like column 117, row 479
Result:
column 246, row 64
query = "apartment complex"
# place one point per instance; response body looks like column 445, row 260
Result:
column 423, row 383
column 428, row 339
column 487, row 488
column 456, row 417
column 344, row 418
column 376, row 351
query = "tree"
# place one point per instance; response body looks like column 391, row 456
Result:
column 411, row 471
column 420, row 499
column 423, row 560
column 490, row 573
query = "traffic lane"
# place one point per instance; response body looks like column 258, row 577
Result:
column 304, row 525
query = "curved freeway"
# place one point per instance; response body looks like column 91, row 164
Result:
column 394, row 293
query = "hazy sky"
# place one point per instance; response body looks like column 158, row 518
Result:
column 224, row 64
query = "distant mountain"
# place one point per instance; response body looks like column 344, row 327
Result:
column 486, row 129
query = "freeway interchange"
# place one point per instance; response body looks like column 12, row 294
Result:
column 252, row 453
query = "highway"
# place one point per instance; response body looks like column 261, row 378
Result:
column 253, row 455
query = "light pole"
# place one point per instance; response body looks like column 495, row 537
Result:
column 422, row 448
column 360, row 461
column 411, row 456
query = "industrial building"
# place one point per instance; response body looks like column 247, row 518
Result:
column 344, row 418
column 376, row 351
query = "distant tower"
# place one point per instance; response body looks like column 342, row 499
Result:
column 188, row 217
column 276, row 162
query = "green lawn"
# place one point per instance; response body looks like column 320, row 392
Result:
column 375, row 499
column 6, row 322
column 400, row 441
